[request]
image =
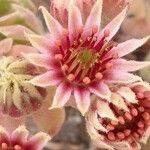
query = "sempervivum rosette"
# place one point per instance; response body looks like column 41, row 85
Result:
column 123, row 123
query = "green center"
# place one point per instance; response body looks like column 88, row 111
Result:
column 86, row 56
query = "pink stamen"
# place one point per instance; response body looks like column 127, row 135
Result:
column 114, row 123
column 121, row 120
column 111, row 136
column 141, row 109
column 140, row 95
column 94, row 29
column 120, row 135
column 17, row 147
column 106, row 33
column 128, row 116
column 127, row 132
column 147, row 94
column 99, row 76
column 140, row 131
column 71, row 77
column 58, row 56
column 135, row 135
column 4, row 146
column 86, row 80
column 146, row 116
column 64, row 68
column 134, row 112
column 109, row 65
column 140, row 124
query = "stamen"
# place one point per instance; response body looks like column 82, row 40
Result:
column 141, row 109
column 147, row 94
column 58, row 56
column 121, row 120
column 128, row 116
column 127, row 132
column 134, row 112
column 17, row 147
column 110, row 127
column 140, row 124
column 99, row 76
column 146, row 116
column 71, row 77
column 94, row 29
column 4, row 146
column 86, row 80
column 135, row 135
column 111, row 136
column 120, row 135
column 109, row 65
column 64, row 68
column 114, row 123
column 106, row 33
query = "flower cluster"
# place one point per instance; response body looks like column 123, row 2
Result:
column 76, row 60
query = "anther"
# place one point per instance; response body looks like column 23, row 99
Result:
column 135, row 135
column 110, row 127
column 146, row 116
column 17, row 147
column 120, row 135
column 147, row 94
column 64, row 68
column 115, row 56
column 127, row 132
column 140, row 95
column 111, row 136
column 128, row 116
column 58, row 56
column 71, row 77
column 134, row 112
column 106, row 33
column 109, row 65
column 114, row 123
column 86, row 80
column 121, row 120
column 94, row 29
column 140, row 124
column 98, row 75
column 4, row 146
column 141, row 109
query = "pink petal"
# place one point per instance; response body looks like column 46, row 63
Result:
column 100, row 144
column 49, row 78
column 19, row 135
column 105, row 111
column 118, row 101
column 29, row 17
column 114, row 25
column 117, row 76
column 128, row 94
column 94, row 19
column 129, row 66
column 74, row 21
column 15, row 31
column 49, row 121
column 128, row 46
column 93, row 119
column 146, row 136
column 101, row 90
column 41, row 60
column 53, row 25
column 4, row 135
column 41, row 43
column 38, row 141
column 5, row 46
column 82, row 97
column 18, row 50
column 62, row 95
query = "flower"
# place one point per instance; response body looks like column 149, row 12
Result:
column 18, row 97
column 19, row 139
column 124, row 122
column 59, row 9
column 81, row 59
column 16, row 17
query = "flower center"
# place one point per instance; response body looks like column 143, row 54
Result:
column 84, row 61
column 16, row 94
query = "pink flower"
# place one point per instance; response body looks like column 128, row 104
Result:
column 124, row 122
column 19, row 139
column 81, row 59
column 18, row 97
